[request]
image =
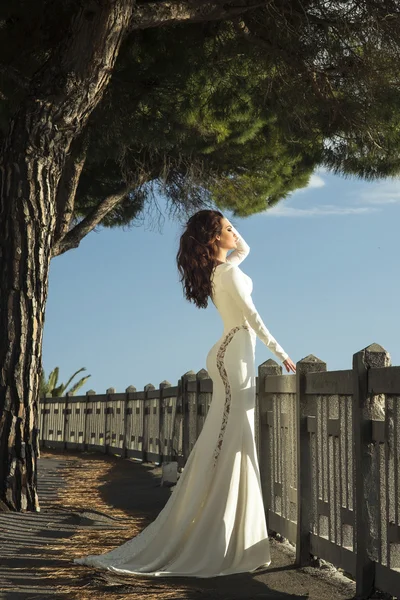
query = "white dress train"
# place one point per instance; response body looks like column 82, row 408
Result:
column 214, row 521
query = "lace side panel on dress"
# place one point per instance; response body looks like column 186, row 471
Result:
column 224, row 377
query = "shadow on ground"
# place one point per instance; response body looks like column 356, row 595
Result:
column 95, row 501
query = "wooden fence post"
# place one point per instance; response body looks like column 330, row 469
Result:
column 44, row 421
column 366, row 492
column 177, row 431
column 263, row 438
column 189, row 402
column 309, row 364
column 204, row 384
column 67, row 412
column 146, row 418
column 162, row 442
column 107, row 438
column 87, row 436
column 127, row 419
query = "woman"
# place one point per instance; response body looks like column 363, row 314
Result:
column 214, row 521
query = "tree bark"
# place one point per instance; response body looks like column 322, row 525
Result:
column 60, row 99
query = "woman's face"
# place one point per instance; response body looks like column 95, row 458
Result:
column 226, row 239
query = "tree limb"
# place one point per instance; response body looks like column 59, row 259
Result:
column 66, row 192
column 73, row 238
column 154, row 14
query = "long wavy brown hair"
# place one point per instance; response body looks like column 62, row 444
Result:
column 196, row 257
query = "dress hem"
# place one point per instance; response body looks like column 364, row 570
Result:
column 166, row 573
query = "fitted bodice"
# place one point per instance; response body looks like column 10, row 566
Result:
column 231, row 295
column 230, row 313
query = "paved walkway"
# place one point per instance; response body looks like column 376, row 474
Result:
column 91, row 502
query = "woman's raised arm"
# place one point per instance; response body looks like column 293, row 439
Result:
column 240, row 252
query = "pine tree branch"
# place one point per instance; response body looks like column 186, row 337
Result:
column 73, row 238
column 67, row 187
column 155, row 14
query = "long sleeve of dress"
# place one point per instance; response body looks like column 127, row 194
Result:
column 233, row 283
column 240, row 252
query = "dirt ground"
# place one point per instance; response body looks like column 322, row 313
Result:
column 91, row 503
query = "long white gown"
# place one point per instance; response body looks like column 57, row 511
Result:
column 214, row 521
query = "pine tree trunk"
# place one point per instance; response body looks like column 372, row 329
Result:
column 60, row 99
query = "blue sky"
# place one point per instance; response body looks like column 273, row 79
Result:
column 324, row 265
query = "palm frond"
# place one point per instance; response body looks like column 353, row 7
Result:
column 74, row 375
column 79, row 384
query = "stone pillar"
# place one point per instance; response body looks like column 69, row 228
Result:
column 263, row 438
column 309, row 364
column 365, row 475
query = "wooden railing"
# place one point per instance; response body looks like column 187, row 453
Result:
column 153, row 425
column 328, row 446
column 329, row 462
